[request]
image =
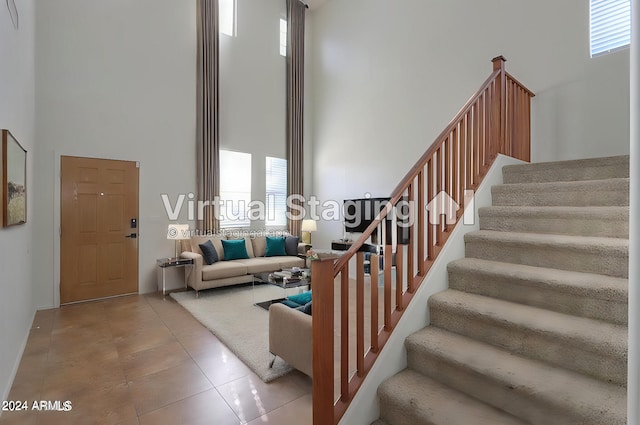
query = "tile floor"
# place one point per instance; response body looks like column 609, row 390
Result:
column 143, row 360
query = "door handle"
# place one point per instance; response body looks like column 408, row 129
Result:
column 132, row 236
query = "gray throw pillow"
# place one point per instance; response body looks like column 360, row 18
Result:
column 209, row 252
column 291, row 245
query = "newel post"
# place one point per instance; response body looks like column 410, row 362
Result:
column 500, row 106
column 323, row 344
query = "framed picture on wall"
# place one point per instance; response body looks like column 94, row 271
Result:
column 14, row 181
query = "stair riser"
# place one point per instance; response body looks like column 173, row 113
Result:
column 545, row 174
column 571, row 354
column 596, row 195
column 600, row 260
column 397, row 415
column 611, row 226
column 520, row 402
column 537, row 294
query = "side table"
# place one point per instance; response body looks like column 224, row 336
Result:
column 164, row 263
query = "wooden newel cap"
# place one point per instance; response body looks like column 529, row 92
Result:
column 498, row 62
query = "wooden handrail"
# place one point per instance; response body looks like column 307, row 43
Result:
column 496, row 119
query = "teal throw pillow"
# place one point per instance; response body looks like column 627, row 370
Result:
column 301, row 299
column 209, row 252
column 275, row 247
column 234, row 249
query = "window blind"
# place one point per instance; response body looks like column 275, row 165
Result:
column 276, row 188
column 610, row 25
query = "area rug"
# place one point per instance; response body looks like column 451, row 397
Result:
column 230, row 314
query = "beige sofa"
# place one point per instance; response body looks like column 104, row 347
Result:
column 290, row 337
column 224, row 273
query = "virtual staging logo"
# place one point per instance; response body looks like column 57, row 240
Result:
column 441, row 207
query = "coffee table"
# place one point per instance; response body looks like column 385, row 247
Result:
column 283, row 283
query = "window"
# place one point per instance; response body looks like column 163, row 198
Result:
column 283, row 37
column 610, row 25
column 276, row 185
column 235, row 188
column 227, row 17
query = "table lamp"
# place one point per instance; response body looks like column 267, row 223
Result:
column 308, row 226
column 178, row 232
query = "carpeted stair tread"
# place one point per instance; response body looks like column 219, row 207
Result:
column 582, row 169
column 581, row 294
column 578, row 221
column 609, row 192
column 410, row 398
column 608, row 256
column 529, row 389
column 588, row 346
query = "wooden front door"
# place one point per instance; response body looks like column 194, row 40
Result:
column 98, row 240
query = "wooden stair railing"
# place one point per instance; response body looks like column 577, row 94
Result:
column 495, row 120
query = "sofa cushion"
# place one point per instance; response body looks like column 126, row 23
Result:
column 235, row 249
column 209, row 252
column 215, row 240
column 286, row 262
column 306, row 309
column 275, row 246
column 259, row 246
column 248, row 245
column 260, row 265
column 291, row 245
column 223, row 269
column 301, row 298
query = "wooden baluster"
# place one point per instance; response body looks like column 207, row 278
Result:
column 430, row 227
column 344, row 334
column 420, row 209
column 447, row 178
column 455, row 163
column 410, row 244
column 462, row 162
column 323, row 345
column 387, row 259
column 439, row 189
column 399, row 276
column 374, row 271
column 469, row 149
column 360, row 313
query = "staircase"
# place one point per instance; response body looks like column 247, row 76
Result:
column 533, row 329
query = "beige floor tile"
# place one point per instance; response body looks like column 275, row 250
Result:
column 146, row 355
column 296, row 412
column 202, row 409
column 157, row 390
column 154, row 360
column 144, row 338
column 19, row 418
column 251, row 398
column 220, row 365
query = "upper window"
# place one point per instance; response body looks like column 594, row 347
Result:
column 235, row 188
column 227, row 17
column 610, row 25
column 283, row 37
column 276, row 188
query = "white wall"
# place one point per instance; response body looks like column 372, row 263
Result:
column 388, row 78
column 17, row 114
column 114, row 79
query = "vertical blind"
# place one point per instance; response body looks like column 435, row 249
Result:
column 610, row 25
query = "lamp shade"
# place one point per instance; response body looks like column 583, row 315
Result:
column 309, row 226
column 178, row 232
